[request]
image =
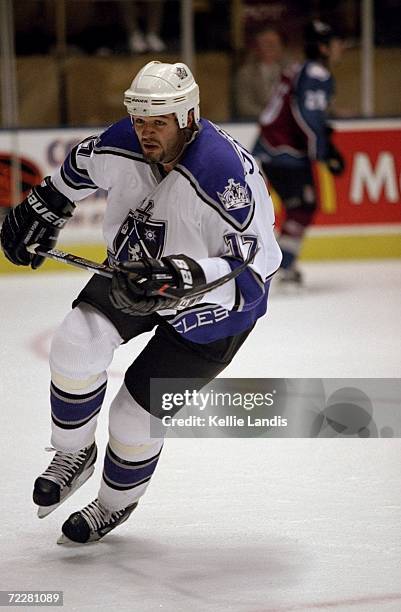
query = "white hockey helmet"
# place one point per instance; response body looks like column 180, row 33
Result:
column 160, row 89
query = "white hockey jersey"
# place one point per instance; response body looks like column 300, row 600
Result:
column 213, row 206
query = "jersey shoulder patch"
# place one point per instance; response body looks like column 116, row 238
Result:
column 314, row 70
column 214, row 164
column 119, row 139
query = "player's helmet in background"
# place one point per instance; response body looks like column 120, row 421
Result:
column 317, row 33
column 160, row 89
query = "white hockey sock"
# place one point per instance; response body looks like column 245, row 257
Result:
column 82, row 349
column 131, row 455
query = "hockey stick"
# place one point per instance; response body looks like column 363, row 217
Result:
column 166, row 290
column 72, row 260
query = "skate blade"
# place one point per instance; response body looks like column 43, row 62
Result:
column 46, row 510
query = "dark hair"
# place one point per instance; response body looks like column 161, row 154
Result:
column 318, row 33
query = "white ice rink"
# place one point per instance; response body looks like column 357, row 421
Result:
column 242, row 525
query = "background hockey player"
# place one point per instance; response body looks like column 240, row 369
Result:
column 294, row 134
column 187, row 203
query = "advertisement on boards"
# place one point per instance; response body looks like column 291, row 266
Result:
column 359, row 215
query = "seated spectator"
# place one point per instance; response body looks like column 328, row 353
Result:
column 259, row 75
column 147, row 38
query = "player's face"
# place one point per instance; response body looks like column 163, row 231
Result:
column 160, row 137
column 334, row 50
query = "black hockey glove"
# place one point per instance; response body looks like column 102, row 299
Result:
column 335, row 161
column 37, row 220
column 134, row 285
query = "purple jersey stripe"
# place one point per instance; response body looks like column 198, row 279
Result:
column 251, row 288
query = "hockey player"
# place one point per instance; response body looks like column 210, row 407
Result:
column 176, row 184
column 294, row 135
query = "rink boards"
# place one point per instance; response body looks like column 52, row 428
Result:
column 359, row 215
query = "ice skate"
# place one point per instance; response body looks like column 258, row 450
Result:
column 65, row 474
column 288, row 280
column 92, row 523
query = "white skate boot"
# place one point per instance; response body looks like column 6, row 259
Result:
column 65, row 474
column 92, row 523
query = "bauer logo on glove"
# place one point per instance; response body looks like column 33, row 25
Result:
column 40, row 208
column 36, row 221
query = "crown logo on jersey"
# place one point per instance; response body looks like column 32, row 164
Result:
column 181, row 72
column 234, row 196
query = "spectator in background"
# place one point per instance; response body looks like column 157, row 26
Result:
column 149, row 37
column 258, row 77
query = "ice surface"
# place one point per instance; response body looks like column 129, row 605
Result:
column 244, row 525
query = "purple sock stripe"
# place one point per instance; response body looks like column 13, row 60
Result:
column 77, row 409
column 74, row 424
column 118, row 487
column 129, row 476
column 126, row 463
column 75, row 396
